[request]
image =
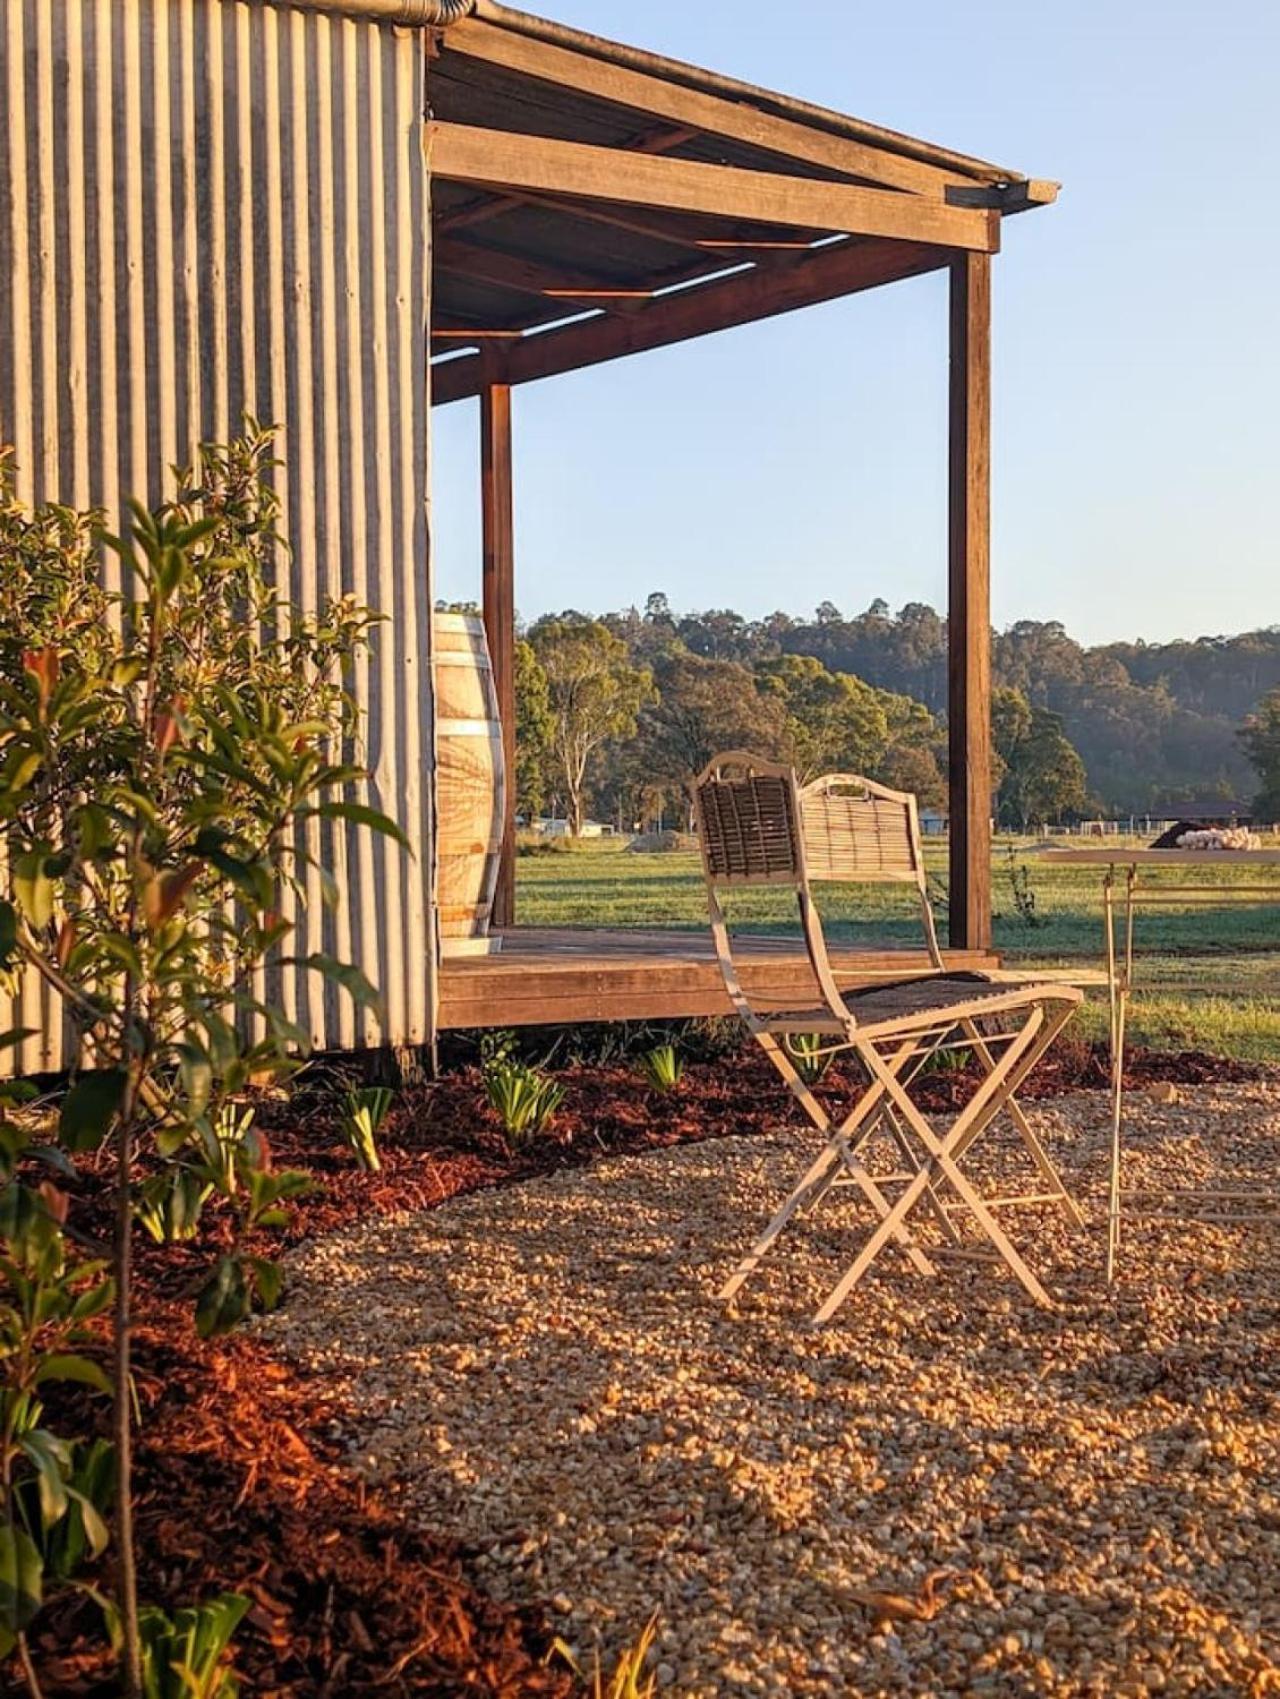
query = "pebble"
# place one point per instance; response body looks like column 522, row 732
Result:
column 1082, row 1502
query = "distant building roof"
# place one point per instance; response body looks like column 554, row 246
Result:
column 1210, row 808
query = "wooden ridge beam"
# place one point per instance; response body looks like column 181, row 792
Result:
column 710, row 114
column 823, row 275
column 504, row 160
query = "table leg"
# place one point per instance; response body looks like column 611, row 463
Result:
column 1119, row 985
column 1113, row 1009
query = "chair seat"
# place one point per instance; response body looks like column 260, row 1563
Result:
column 916, row 1004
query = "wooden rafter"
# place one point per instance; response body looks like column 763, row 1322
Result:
column 823, row 275
column 508, row 271
column 710, row 114
column 500, row 159
column 458, row 255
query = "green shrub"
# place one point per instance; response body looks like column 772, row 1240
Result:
column 523, row 1097
column 363, row 1112
column 51, row 1508
column 628, row 1679
column 662, row 1067
column 184, row 1656
column 808, row 1056
column 170, row 1204
column 1022, row 891
column 164, row 753
column 955, row 1059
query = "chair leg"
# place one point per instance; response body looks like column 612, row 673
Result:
column 936, row 1207
column 836, row 1154
column 1030, row 1138
column 1018, row 1061
column 1021, row 1055
column 815, row 1181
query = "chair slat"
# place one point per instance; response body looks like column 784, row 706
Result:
column 857, row 833
column 748, row 828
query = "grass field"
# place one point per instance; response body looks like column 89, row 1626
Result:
column 1209, row 974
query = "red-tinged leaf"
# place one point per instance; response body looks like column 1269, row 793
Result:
column 42, row 664
column 66, row 941
column 162, row 897
column 168, row 726
column 55, row 1201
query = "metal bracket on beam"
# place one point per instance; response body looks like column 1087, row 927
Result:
column 1019, row 196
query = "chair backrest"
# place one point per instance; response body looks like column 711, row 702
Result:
column 747, row 812
column 758, row 826
column 854, row 829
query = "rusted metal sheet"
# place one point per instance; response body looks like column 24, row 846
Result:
column 210, row 208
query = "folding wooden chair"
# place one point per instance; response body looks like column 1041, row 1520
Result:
column 757, row 826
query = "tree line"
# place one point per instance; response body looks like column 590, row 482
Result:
column 615, row 712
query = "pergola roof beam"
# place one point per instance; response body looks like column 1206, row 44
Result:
column 487, row 207
column 710, row 114
column 843, row 269
column 502, row 160
column 736, row 92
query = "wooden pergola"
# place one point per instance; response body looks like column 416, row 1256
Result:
column 592, row 201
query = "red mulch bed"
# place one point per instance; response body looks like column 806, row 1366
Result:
column 239, row 1487
column 240, row 1483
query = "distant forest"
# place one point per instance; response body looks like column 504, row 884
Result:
column 1154, row 724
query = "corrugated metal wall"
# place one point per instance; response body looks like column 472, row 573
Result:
column 208, row 208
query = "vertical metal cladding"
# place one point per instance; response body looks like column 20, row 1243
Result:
column 212, row 208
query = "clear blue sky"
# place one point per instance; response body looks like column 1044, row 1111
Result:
column 1137, row 344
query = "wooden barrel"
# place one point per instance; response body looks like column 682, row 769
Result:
column 471, row 783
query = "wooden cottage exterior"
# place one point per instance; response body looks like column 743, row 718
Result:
column 332, row 214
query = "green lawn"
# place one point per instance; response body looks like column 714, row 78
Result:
column 1210, row 974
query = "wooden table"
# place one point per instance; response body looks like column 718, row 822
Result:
column 1119, row 959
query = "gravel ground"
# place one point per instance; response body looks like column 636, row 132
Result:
column 944, row 1491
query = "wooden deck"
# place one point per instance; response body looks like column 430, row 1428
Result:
column 549, row 978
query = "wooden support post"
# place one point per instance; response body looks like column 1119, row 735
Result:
column 500, row 609
column 969, row 618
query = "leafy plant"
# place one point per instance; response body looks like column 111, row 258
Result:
column 951, row 1059
column 523, row 1097
column 711, row 1038
column 810, row 1055
column 1022, row 891
column 162, row 753
column 363, row 1112
column 662, row 1067
column 184, row 1656
column 233, row 1159
column 51, row 1503
column 170, row 1203
column 628, row 1679
column 80, row 1535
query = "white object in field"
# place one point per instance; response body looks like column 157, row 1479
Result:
column 1221, row 838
